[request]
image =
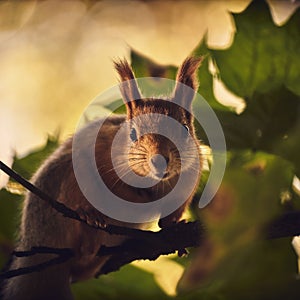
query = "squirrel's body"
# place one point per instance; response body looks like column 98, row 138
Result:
column 43, row 226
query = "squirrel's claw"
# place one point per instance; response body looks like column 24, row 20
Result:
column 92, row 217
column 182, row 252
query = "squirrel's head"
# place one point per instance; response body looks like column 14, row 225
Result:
column 160, row 132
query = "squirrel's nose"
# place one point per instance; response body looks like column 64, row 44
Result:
column 159, row 164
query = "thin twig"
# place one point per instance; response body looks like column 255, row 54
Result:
column 60, row 207
column 69, row 213
column 44, row 250
column 63, row 255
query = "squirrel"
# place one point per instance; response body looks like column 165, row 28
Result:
column 41, row 225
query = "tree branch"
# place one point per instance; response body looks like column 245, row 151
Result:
column 63, row 255
column 168, row 240
column 141, row 244
column 69, row 213
column 284, row 226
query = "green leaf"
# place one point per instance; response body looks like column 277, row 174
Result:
column 10, row 205
column 206, row 78
column 145, row 67
column 263, row 56
column 262, row 65
column 289, row 147
column 267, row 119
column 27, row 165
column 130, row 283
column 153, row 85
column 236, row 262
column 117, row 106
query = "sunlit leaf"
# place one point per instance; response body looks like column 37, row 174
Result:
column 263, row 56
column 130, row 282
column 27, row 165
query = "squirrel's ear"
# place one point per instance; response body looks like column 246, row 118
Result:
column 128, row 87
column 186, row 75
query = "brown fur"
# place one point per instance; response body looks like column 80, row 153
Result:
column 43, row 226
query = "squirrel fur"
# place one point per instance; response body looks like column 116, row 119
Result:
column 42, row 225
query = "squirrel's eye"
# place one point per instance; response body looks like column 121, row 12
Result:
column 133, row 135
column 186, row 128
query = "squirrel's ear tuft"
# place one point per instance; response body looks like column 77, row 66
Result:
column 128, row 87
column 187, row 76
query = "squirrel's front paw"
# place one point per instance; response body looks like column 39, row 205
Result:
column 91, row 217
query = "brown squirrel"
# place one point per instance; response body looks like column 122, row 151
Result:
column 43, row 226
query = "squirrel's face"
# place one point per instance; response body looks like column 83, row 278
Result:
column 160, row 139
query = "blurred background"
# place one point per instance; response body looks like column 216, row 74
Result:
column 56, row 56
